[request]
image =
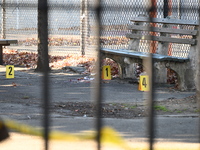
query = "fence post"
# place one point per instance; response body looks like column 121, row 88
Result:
column 43, row 49
column 98, row 86
column 197, row 79
column 3, row 21
column 150, row 72
column 84, row 26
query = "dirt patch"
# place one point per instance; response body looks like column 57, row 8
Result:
column 185, row 106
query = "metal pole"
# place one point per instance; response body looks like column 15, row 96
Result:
column 17, row 25
column 3, row 23
column 82, row 44
column 169, row 7
column 167, row 12
column 150, row 72
column 84, row 26
column 150, row 95
column 1, row 55
column 180, row 9
column 2, row 29
column 98, row 94
column 43, row 31
column 198, row 73
column 166, row 8
column 153, row 14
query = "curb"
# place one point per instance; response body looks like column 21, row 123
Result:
column 180, row 116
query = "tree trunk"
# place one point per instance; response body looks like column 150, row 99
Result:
column 42, row 62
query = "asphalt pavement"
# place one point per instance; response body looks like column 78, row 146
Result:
column 21, row 99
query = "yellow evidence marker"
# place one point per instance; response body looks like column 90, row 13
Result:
column 144, row 83
column 10, row 71
column 106, row 73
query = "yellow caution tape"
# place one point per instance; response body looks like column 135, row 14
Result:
column 26, row 129
column 108, row 135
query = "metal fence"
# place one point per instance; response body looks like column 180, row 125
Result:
column 69, row 27
column 72, row 23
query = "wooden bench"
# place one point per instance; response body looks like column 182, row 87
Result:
column 5, row 42
column 158, row 35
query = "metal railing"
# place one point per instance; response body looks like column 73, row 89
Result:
column 113, row 29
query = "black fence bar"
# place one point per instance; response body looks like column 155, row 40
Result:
column 165, row 8
column 43, row 38
column 98, row 94
column 43, row 31
column 150, row 72
column 198, row 76
column 151, row 125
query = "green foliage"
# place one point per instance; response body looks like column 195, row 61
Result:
column 179, row 111
column 129, row 106
column 133, row 106
column 197, row 110
column 161, row 108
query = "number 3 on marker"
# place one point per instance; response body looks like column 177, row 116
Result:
column 10, row 71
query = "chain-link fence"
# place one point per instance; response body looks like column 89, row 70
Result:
column 72, row 23
column 116, row 16
column 72, row 27
column 64, row 25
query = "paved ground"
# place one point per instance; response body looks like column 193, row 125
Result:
column 21, row 99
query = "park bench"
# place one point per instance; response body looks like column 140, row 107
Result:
column 160, row 34
column 5, row 42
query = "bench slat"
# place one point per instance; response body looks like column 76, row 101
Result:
column 142, row 55
column 166, row 21
column 5, row 41
column 163, row 30
column 174, row 40
column 162, row 39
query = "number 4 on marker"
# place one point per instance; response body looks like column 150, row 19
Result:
column 144, row 83
column 10, row 71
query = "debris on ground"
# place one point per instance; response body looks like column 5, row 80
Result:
column 86, row 79
column 171, row 106
column 77, row 64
